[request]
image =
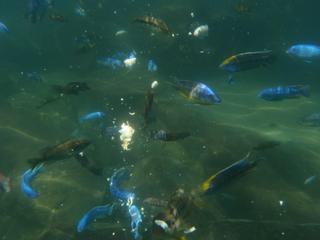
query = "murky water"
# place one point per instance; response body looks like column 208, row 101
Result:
column 271, row 201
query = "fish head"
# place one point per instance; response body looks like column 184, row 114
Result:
column 229, row 64
column 81, row 144
column 204, row 94
column 293, row 50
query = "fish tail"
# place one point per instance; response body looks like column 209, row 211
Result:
column 305, row 91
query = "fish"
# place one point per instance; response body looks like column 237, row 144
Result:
column 312, row 120
column 57, row 18
column 67, row 149
column 27, row 178
column 198, row 92
column 266, row 145
column 201, row 31
column 305, row 51
column 227, row 174
column 32, row 76
column 80, row 11
column 284, row 92
column 148, row 102
column 152, row 66
column 155, row 202
column 37, row 9
column 72, row 88
column 5, row 184
column 116, row 179
column 94, row 213
column 3, row 28
column 310, row 180
column 155, row 22
column 247, row 61
column 168, row 136
column 92, row 116
column 131, row 60
column 136, row 221
column 85, row 42
column 120, row 32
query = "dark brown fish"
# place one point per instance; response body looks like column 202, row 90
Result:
column 148, row 101
column 57, row 18
column 266, row 145
column 72, row 88
column 155, row 22
column 169, row 136
column 64, row 150
column 155, row 202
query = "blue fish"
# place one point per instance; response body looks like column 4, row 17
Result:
column 312, row 120
column 120, row 175
column 304, row 51
column 110, row 62
column 92, row 116
column 96, row 212
column 152, row 66
column 284, row 92
column 3, row 28
column 136, row 220
column 27, row 178
column 198, row 92
column 310, row 180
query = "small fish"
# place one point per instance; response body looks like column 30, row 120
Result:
column 57, row 18
column 5, row 183
column 201, row 31
column 169, row 136
column 304, row 51
column 284, row 92
column 37, row 9
column 310, row 180
column 131, row 60
column 136, row 221
column 33, row 76
column 120, row 32
column 3, row 28
column 155, row 202
column 225, row 175
column 247, row 60
column 80, row 11
column 198, row 92
column 94, row 213
column 152, row 66
column 72, row 88
column 155, row 22
column 27, row 178
column 148, row 101
column 266, row 145
column 64, row 150
column 92, row 116
column 312, row 120
column 116, row 179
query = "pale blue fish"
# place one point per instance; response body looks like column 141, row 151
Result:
column 3, row 28
column 92, row 116
column 116, row 179
column 284, row 92
column 94, row 213
column 152, row 66
column 136, row 220
column 5, row 184
column 27, row 178
column 305, row 51
column 310, row 180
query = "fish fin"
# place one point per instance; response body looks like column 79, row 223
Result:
column 305, row 91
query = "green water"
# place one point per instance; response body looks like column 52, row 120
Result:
column 247, row 208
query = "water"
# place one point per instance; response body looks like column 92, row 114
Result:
column 269, row 202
